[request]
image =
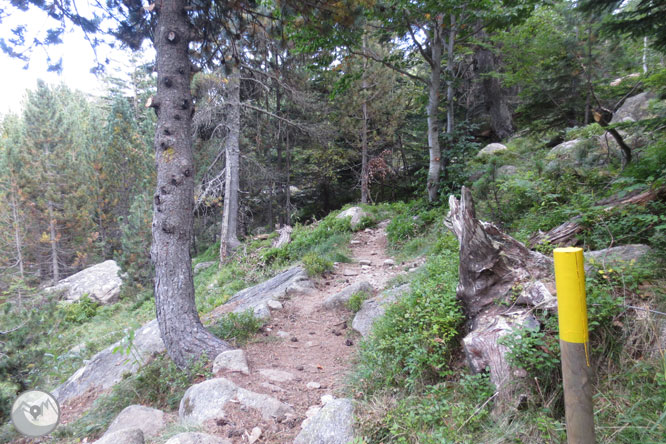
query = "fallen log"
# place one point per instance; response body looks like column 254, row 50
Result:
column 564, row 235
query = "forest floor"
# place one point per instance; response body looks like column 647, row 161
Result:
column 314, row 345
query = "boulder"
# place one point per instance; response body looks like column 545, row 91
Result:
column 288, row 283
column 615, row 256
column 207, row 400
column 490, row 149
column 196, row 438
column 340, row 299
column 332, row 424
column 581, row 152
column 100, row 282
column 149, row 420
column 507, row 171
column 373, row 308
column 106, row 368
column 201, row 266
column 231, row 361
column 633, row 109
column 356, row 214
column 565, row 150
column 127, row 436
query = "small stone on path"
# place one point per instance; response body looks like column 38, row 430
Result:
column 231, row 361
column 350, row 273
column 272, row 387
column 274, row 305
column 313, row 385
column 283, row 334
column 364, row 262
column 355, row 242
column 254, row 435
column 276, row 375
column 389, row 263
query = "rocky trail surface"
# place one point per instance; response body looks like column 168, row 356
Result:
column 284, row 386
column 306, row 347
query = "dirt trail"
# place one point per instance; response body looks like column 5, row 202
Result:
column 305, row 343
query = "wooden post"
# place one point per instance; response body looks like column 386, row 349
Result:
column 574, row 344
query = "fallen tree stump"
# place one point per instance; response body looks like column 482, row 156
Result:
column 285, row 236
column 564, row 235
column 501, row 282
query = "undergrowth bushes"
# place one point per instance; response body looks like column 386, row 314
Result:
column 414, row 341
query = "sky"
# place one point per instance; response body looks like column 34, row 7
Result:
column 77, row 55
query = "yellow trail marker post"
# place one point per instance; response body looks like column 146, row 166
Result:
column 576, row 371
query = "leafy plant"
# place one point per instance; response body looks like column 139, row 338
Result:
column 316, row 265
column 415, row 339
column 356, row 300
column 534, row 350
column 237, row 327
column 80, row 311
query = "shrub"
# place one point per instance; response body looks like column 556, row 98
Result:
column 80, row 311
column 316, row 265
column 416, row 338
column 356, row 300
column 237, row 327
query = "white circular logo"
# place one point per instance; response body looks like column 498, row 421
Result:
column 35, row 413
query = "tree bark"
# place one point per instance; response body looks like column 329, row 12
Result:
column 17, row 232
column 436, row 49
column 500, row 283
column 495, row 98
column 564, row 235
column 55, row 269
column 364, row 135
column 450, row 45
column 184, row 336
column 228, row 237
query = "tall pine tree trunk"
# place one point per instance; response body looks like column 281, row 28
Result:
column 183, row 334
column 55, row 269
column 228, row 238
column 436, row 49
column 450, row 76
column 364, row 135
column 494, row 96
column 17, row 232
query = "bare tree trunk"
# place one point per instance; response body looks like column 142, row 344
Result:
column 17, row 232
column 55, row 269
column 287, row 191
column 364, row 135
column 184, row 336
column 501, row 121
column 645, row 51
column 450, row 44
column 435, row 155
column 228, row 236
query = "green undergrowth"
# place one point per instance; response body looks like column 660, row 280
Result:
column 236, row 328
column 318, row 245
column 49, row 340
column 159, row 384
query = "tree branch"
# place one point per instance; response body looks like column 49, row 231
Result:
column 388, row 65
